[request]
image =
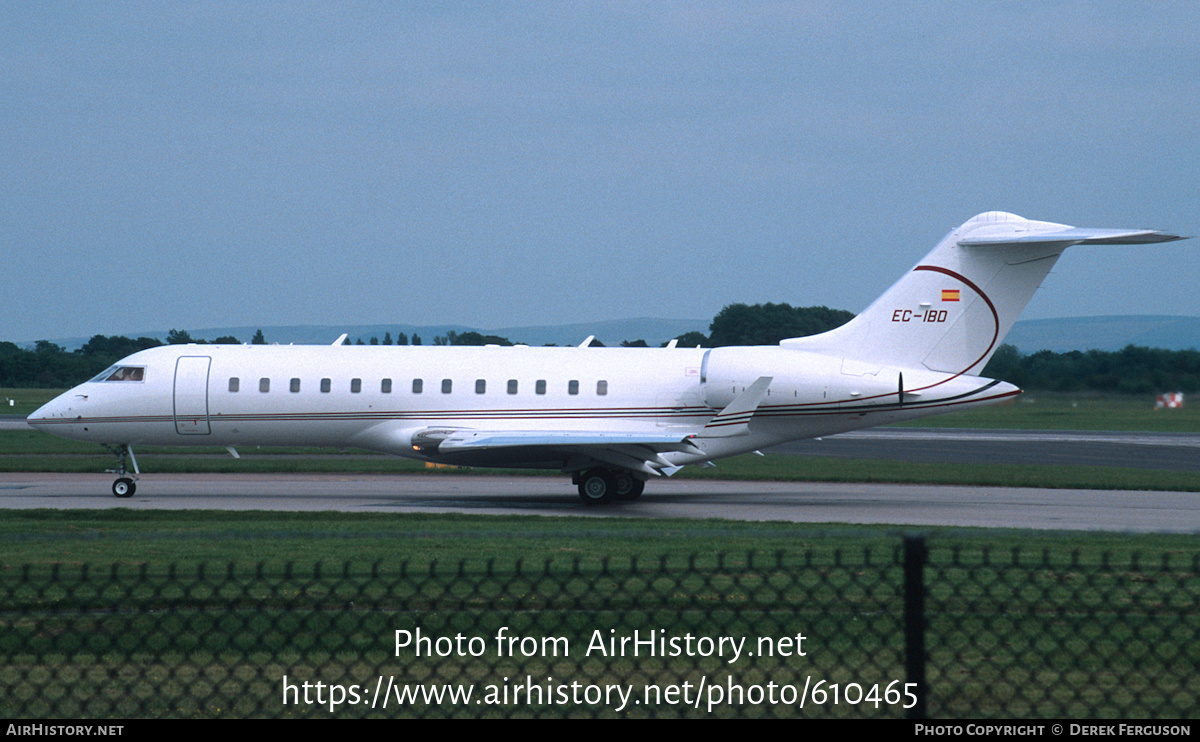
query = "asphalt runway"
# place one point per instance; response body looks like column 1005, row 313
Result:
column 1160, row 451
column 898, row 505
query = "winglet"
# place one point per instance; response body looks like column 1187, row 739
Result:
column 735, row 418
column 341, row 338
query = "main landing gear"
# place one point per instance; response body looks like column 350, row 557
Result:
column 601, row 486
column 124, row 486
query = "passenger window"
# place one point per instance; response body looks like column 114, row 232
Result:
column 572, row 387
column 326, row 385
column 385, row 386
column 480, row 386
column 355, row 386
column 264, row 385
column 233, row 383
column 540, row 387
column 294, row 386
column 512, row 386
column 446, row 386
column 601, row 388
column 418, row 385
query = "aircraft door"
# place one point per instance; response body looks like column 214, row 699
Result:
column 191, row 395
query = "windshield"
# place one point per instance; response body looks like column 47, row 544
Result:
column 122, row 373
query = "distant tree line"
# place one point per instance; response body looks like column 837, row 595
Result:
column 49, row 365
column 1132, row 370
column 450, row 338
column 767, row 324
column 401, row 339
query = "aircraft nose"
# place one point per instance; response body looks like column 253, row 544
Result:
column 55, row 408
column 39, row 414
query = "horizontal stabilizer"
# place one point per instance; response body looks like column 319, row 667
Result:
column 1074, row 236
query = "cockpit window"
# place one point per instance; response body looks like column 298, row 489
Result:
column 122, row 373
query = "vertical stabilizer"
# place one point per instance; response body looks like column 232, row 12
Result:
column 952, row 310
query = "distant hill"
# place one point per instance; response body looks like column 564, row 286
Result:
column 1029, row 336
column 1105, row 333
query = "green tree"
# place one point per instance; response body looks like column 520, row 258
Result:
column 179, row 337
column 474, row 338
column 115, row 347
column 767, row 324
column 692, row 340
column 1005, row 365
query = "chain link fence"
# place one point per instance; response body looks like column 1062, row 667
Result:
column 913, row 631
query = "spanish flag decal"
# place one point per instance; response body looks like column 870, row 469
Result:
column 949, row 294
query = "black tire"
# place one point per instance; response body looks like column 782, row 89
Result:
column 629, row 487
column 597, row 488
column 124, row 487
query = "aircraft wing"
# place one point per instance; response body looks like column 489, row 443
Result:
column 635, row 451
column 464, row 440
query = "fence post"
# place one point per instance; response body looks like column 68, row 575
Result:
column 915, row 556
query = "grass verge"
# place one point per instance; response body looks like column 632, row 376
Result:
column 1062, row 625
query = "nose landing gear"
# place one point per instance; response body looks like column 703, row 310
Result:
column 124, row 486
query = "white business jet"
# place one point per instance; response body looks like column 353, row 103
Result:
column 610, row 417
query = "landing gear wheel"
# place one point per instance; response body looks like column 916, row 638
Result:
column 597, row 487
column 124, row 487
column 629, row 487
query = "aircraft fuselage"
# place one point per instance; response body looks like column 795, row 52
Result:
column 379, row 397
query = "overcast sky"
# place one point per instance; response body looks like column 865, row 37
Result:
column 192, row 165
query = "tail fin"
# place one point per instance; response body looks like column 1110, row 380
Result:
column 950, row 312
